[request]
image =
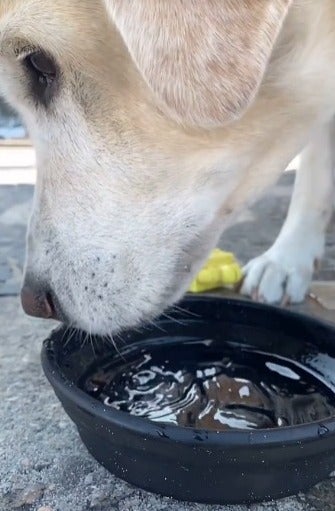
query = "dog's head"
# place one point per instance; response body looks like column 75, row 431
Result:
column 130, row 106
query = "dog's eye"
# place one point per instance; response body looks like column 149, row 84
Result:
column 43, row 73
column 43, row 65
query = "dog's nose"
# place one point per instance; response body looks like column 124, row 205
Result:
column 38, row 303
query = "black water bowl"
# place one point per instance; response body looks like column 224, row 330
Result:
column 257, row 461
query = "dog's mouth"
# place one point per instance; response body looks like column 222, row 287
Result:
column 114, row 320
column 57, row 310
column 108, row 294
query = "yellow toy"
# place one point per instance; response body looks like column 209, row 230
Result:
column 221, row 270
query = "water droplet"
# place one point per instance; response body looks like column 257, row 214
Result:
column 282, row 421
column 162, row 434
column 323, row 430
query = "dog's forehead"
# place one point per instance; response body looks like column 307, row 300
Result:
column 64, row 27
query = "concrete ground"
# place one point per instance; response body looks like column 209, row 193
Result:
column 43, row 464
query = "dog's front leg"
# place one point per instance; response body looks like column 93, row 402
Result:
column 285, row 271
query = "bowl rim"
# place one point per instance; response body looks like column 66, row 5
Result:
column 286, row 435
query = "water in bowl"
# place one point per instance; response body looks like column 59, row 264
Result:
column 209, row 385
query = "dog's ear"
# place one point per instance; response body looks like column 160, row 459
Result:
column 203, row 59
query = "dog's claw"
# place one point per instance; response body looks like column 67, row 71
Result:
column 278, row 276
column 254, row 295
column 285, row 301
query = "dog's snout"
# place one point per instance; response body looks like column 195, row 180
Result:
column 38, row 302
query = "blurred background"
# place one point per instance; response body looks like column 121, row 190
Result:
column 17, row 177
column 10, row 124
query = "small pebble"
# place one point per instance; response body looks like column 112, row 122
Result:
column 98, row 497
column 29, row 495
column 88, row 479
column 26, row 463
column 45, row 508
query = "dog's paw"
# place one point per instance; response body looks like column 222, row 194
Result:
column 280, row 275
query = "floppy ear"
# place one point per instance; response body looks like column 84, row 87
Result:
column 203, row 59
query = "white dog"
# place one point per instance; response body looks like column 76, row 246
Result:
column 154, row 122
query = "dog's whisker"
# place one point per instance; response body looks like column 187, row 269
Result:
column 177, row 308
column 67, row 328
column 91, row 339
column 173, row 319
column 70, row 337
column 83, row 339
column 111, row 341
